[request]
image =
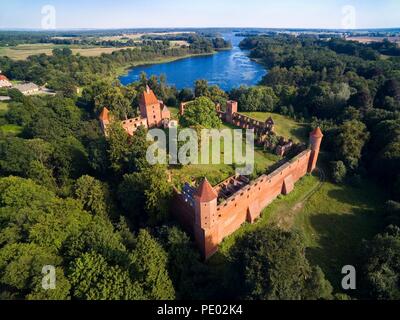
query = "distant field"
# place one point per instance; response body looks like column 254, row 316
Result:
column 137, row 36
column 22, row 52
column 284, row 126
column 373, row 39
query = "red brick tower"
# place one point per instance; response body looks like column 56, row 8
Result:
column 315, row 142
column 206, row 228
column 150, row 108
column 231, row 109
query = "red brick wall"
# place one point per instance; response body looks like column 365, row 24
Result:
column 246, row 205
column 257, row 196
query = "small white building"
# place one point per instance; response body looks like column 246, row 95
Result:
column 27, row 88
column 4, row 82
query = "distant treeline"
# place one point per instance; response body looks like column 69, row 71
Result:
column 209, row 40
column 64, row 71
column 91, row 37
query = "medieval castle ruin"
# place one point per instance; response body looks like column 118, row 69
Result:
column 153, row 114
column 211, row 213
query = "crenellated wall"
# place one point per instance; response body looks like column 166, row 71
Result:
column 211, row 214
column 248, row 203
column 244, row 205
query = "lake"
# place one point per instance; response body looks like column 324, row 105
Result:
column 227, row 69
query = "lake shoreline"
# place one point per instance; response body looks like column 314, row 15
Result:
column 122, row 71
column 227, row 68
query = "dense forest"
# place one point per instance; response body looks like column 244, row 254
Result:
column 353, row 92
column 349, row 89
column 94, row 208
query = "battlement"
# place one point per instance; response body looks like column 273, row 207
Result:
column 212, row 217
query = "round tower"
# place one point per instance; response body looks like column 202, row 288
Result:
column 206, row 202
column 315, row 144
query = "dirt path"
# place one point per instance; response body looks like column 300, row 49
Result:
column 285, row 217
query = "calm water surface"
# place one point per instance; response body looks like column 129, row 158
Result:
column 227, row 69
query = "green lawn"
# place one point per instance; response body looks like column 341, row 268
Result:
column 284, row 126
column 174, row 112
column 334, row 221
column 218, row 173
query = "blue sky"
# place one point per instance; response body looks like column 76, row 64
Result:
column 200, row 13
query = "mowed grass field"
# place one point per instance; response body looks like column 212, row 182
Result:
column 284, row 126
column 334, row 219
column 22, row 52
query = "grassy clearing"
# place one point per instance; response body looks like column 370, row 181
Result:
column 174, row 112
column 284, row 126
column 334, row 221
column 11, row 129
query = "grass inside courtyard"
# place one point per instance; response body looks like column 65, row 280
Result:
column 217, row 173
column 262, row 160
column 284, row 126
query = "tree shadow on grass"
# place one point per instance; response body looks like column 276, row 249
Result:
column 365, row 198
column 300, row 133
column 339, row 241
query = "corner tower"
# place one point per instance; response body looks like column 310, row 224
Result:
column 206, row 224
column 205, row 205
column 315, row 143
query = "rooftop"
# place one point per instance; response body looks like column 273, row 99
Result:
column 206, row 192
column 26, row 87
column 105, row 114
column 148, row 97
column 317, row 133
